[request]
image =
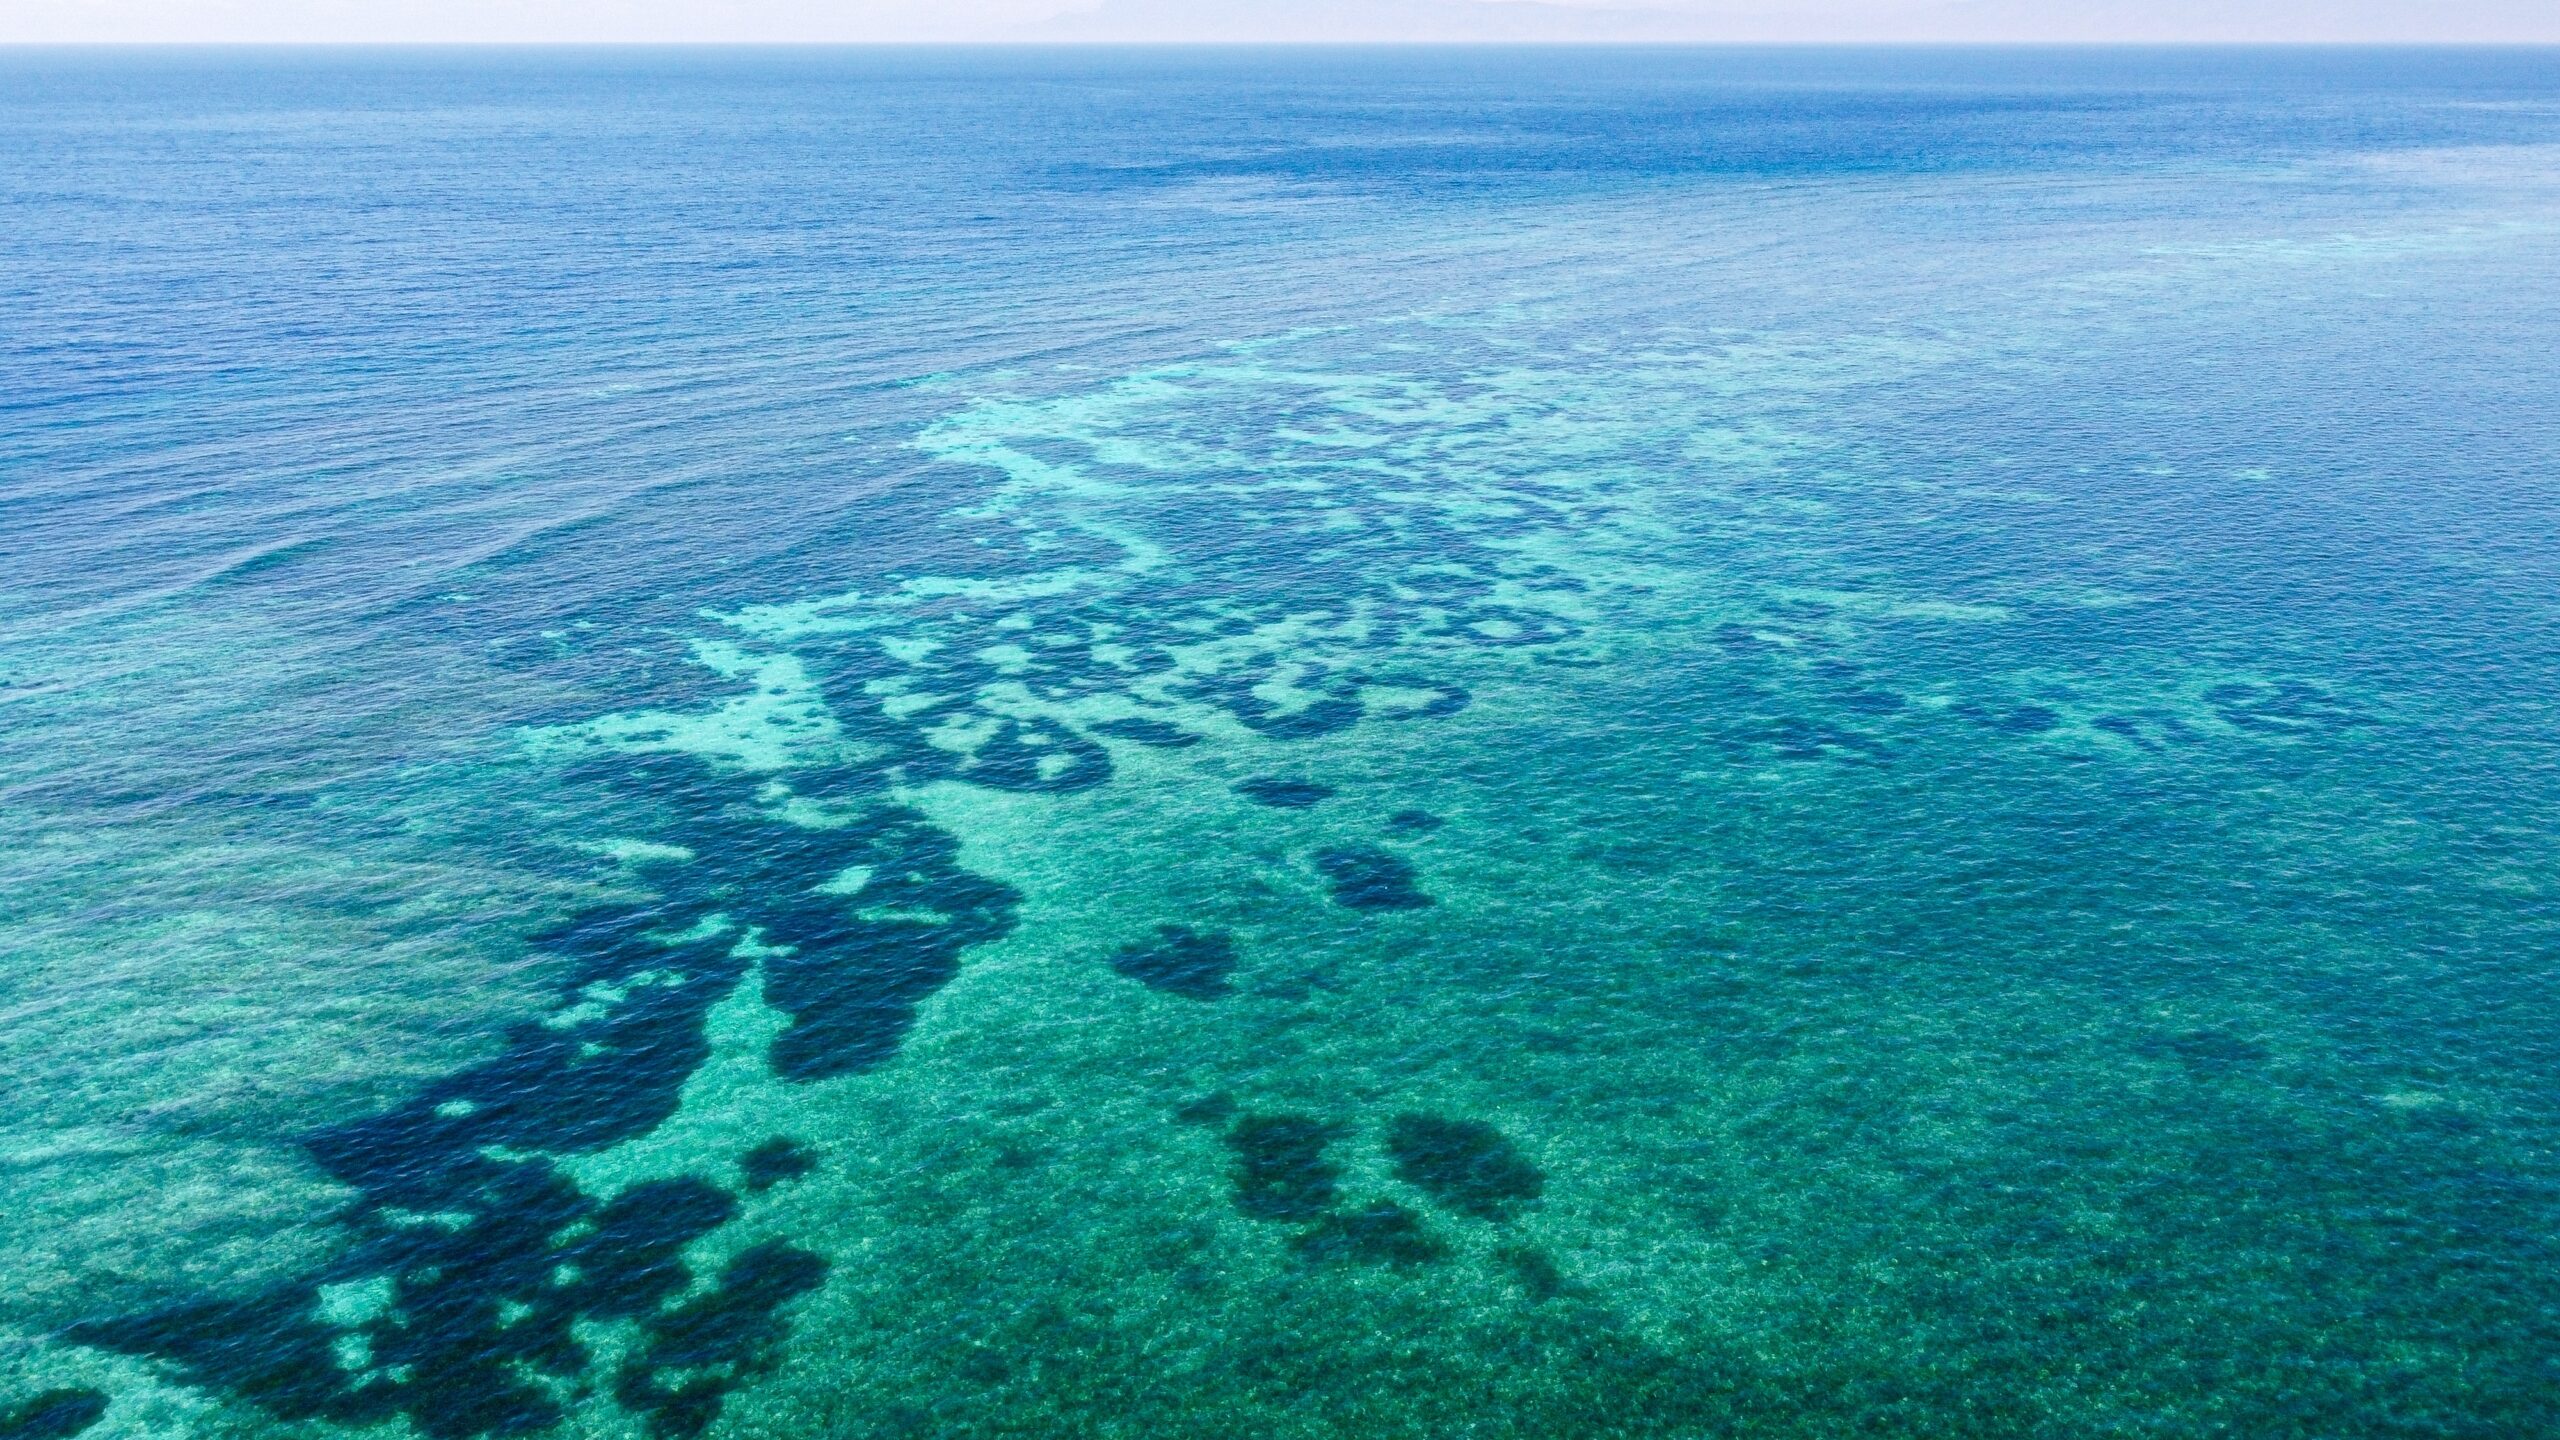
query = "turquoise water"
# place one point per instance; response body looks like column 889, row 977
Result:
column 1280, row 744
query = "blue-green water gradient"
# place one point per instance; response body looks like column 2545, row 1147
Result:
column 1280, row 743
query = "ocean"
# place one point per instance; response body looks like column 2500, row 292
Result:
column 1280, row 743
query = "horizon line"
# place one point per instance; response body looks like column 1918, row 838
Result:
column 1071, row 43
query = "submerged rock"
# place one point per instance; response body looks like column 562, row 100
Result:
column 1282, row 794
column 1538, row 1276
column 1214, row 1109
column 1181, row 961
column 1465, row 1165
column 1365, row 877
column 1382, row 1234
column 1162, row 734
column 1281, row 1170
column 775, row 1161
column 54, row 1415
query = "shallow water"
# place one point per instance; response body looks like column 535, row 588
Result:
column 1279, row 744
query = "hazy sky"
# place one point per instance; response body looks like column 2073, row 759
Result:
column 841, row 20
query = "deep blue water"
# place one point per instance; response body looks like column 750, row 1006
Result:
column 1280, row 743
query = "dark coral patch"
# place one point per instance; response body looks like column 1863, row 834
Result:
column 571, row 1088
column 1281, row 1171
column 1466, row 1165
column 1508, row 625
column 1038, row 758
column 486, row 1253
column 612, row 942
column 854, row 979
column 1323, row 717
column 2206, row 1052
column 1743, row 639
column 1445, row 698
column 1336, row 705
column 468, row 1397
column 852, row 988
column 448, row 1330
column 737, row 1320
column 1414, row 822
column 1162, row 734
column 1214, row 1109
column 2286, row 707
column 1180, row 961
column 1382, row 1234
column 1444, row 582
column 272, row 1350
column 473, row 1307
column 489, row 1252
column 747, row 860
column 474, row 1294
column 54, row 1415
column 1365, row 877
column 1449, row 701
column 631, row 1261
column 474, row 1291
column 683, row 787
column 1798, row 738
column 1538, row 1276
column 839, row 782
column 1281, row 794
column 2127, row 728
column 775, row 1161
column 702, row 1349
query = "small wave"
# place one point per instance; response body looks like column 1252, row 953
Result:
column 258, row 560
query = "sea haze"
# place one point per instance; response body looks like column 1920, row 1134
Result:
column 1279, row 744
